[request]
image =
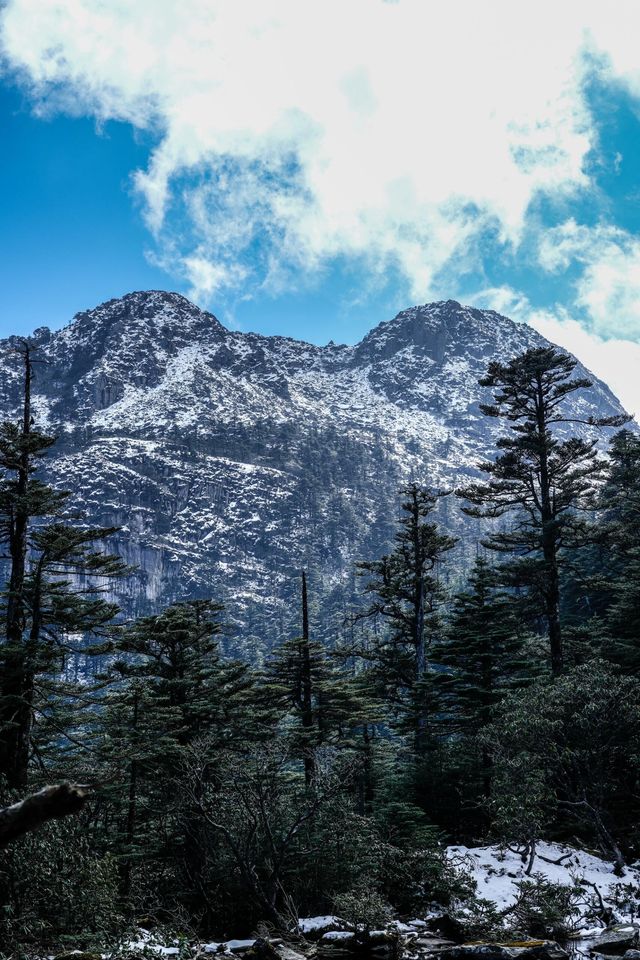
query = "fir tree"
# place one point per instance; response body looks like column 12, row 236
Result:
column 323, row 703
column 482, row 655
column 138, row 748
column 542, row 481
column 405, row 591
column 618, row 570
column 177, row 652
column 173, row 695
column 53, row 590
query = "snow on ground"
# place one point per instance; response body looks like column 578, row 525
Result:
column 498, row 871
column 319, row 924
column 147, row 943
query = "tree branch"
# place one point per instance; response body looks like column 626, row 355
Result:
column 50, row 803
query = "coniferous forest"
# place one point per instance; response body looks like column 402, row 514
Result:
column 173, row 790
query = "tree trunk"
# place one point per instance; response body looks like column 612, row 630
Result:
column 307, row 693
column 549, row 544
column 131, row 809
column 15, row 705
column 418, row 623
column 485, row 714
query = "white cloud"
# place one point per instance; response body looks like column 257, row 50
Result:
column 392, row 131
column 291, row 133
column 608, row 287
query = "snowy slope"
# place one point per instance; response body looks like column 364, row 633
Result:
column 231, row 460
column 498, row 871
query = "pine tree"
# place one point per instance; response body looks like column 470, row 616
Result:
column 322, row 702
column 137, row 745
column 618, row 572
column 48, row 560
column 542, row 481
column 482, row 653
column 177, row 652
column 172, row 697
column 405, row 591
column 620, row 497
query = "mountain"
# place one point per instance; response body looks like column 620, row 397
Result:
column 232, row 460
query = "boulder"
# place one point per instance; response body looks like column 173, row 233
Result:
column 446, row 926
column 616, row 939
column 475, row 951
column 430, row 943
column 286, row 952
column 337, row 937
column 520, row 950
column 538, row 950
column 261, row 949
column 313, row 928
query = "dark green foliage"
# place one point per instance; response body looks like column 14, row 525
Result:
column 58, row 886
column 540, row 481
column 482, row 654
column 619, row 570
column 565, row 758
column 331, row 776
column 177, row 654
column 543, row 909
column 172, row 692
column 56, row 569
column 405, row 595
column 482, row 650
column 364, row 909
column 482, row 921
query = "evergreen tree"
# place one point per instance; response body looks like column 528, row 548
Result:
column 173, row 695
column 405, row 590
column 620, row 496
column 138, row 748
column 54, row 582
column 565, row 759
column 543, row 481
column 177, row 652
column 322, row 702
column 618, row 569
column 482, row 653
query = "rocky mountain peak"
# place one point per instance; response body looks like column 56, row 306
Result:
column 441, row 329
column 166, row 320
column 232, row 460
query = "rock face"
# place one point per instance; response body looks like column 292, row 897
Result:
column 232, row 460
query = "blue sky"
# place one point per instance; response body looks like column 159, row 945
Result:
column 72, row 236
column 312, row 171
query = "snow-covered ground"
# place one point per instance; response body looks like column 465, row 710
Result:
column 498, row 872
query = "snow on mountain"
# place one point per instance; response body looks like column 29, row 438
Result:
column 232, row 460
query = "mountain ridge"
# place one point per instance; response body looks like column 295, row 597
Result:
column 231, row 460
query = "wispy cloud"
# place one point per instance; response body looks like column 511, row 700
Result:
column 397, row 135
column 398, row 132
column 608, row 286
